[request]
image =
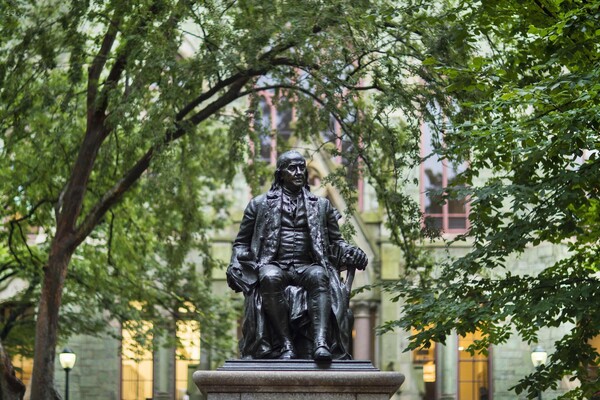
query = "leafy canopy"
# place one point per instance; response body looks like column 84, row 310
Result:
column 524, row 115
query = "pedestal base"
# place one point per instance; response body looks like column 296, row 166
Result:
column 297, row 380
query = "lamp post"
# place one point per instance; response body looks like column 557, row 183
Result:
column 67, row 360
column 538, row 358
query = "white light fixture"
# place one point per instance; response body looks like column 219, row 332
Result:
column 539, row 356
column 67, row 359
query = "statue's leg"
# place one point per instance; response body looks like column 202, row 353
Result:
column 316, row 282
column 272, row 282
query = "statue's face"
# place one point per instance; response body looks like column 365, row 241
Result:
column 293, row 174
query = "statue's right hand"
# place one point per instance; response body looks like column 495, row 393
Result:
column 356, row 258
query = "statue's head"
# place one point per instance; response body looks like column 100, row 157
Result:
column 291, row 171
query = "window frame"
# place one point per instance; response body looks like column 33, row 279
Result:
column 489, row 366
column 336, row 129
column 445, row 215
column 176, row 358
column 121, row 375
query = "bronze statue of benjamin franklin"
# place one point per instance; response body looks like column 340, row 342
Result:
column 287, row 259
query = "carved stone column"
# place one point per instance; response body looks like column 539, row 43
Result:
column 362, row 335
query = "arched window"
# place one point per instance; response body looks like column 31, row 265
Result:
column 451, row 216
column 273, row 124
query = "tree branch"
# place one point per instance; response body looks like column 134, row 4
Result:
column 99, row 61
column 205, row 96
column 8, row 274
column 21, row 309
column 114, row 194
column 279, row 61
column 545, row 9
column 16, row 222
column 96, row 132
column 298, row 89
column 32, row 210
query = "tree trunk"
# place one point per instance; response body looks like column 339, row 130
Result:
column 11, row 388
column 46, row 332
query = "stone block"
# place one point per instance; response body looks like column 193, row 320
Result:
column 372, row 397
column 226, row 396
column 298, row 396
column 290, row 383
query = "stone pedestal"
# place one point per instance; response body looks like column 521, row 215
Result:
column 297, row 380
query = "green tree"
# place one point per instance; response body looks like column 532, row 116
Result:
column 120, row 121
column 523, row 107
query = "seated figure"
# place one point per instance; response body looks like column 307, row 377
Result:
column 287, row 260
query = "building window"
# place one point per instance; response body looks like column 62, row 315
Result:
column 23, row 367
column 273, row 124
column 473, row 371
column 448, row 216
column 187, row 354
column 593, row 370
column 136, row 361
column 424, row 362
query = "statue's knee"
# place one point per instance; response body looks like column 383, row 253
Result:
column 318, row 277
column 271, row 278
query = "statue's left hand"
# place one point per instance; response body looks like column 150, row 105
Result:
column 356, row 258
